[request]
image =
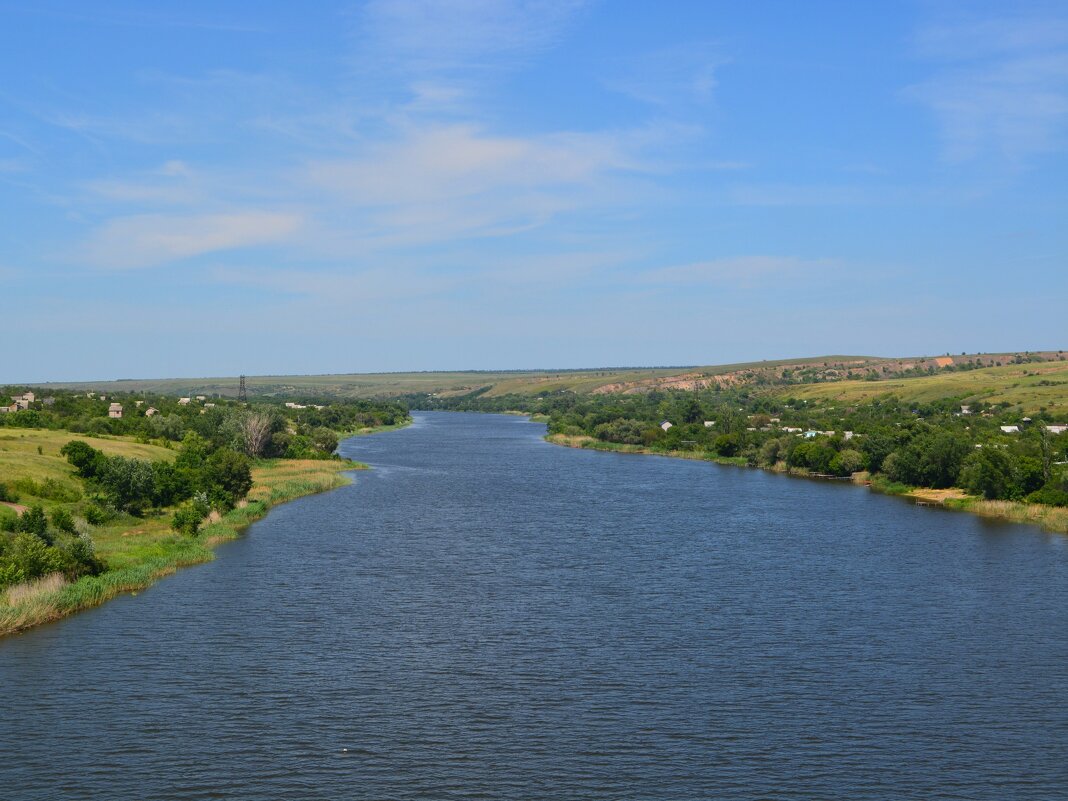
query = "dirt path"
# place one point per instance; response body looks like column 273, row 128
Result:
column 18, row 507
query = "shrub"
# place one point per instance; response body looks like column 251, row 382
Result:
column 96, row 515
column 8, row 494
column 62, row 520
column 33, row 521
column 727, row 444
column 1051, row 495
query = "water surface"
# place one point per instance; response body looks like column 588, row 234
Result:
column 486, row 616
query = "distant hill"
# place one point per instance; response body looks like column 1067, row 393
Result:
column 1025, row 379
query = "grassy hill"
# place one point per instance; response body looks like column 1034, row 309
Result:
column 1026, row 387
column 1040, row 380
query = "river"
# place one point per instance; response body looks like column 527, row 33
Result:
column 487, row 616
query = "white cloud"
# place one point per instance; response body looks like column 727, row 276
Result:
column 422, row 36
column 148, row 239
column 1001, row 86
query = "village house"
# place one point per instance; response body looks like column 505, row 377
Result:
column 709, row 423
column 666, row 425
column 202, row 398
column 1057, row 428
column 19, row 402
column 1010, row 429
column 151, row 411
column 965, row 409
column 115, row 410
column 183, row 401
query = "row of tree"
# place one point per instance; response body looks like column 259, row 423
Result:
column 928, row 445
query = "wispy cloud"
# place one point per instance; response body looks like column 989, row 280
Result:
column 149, row 239
column 422, row 37
column 672, row 77
column 1000, row 86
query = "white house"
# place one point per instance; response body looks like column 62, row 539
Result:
column 151, row 411
column 666, row 425
column 1057, row 428
column 201, row 398
column 709, row 423
column 965, row 409
column 1010, row 429
column 184, row 401
column 115, row 410
column 847, row 435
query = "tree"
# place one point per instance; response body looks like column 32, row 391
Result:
column 88, row 461
column 130, row 484
column 33, row 521
column 226, row 477
column 847, row 462
column 989, row 472
column 255, row 432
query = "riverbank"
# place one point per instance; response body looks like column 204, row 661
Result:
column 139, row 551
column 366, row 430
column 1050, row 518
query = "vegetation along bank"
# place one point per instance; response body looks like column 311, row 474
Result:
column 993, row 441
column 102, row 495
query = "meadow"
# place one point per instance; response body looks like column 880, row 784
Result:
column 1024, row 387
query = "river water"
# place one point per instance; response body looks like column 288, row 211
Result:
column 486, row 616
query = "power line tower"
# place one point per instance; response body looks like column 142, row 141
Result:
column 242, row 393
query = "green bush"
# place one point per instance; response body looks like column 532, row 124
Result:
column 62, row 520
column 96, row 515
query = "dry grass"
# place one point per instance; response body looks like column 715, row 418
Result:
column 29, row 591
column 1026, row 386
column 1051, row 518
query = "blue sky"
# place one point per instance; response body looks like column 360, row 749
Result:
column 257, row 187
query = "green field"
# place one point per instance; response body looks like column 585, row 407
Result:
column 1026, row 387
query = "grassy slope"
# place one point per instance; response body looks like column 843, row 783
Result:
column 1018, row 384
column 139, row 550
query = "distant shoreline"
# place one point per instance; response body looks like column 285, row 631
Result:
column 1050, row 518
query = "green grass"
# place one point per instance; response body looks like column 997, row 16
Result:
column 138, row 551
column 1026, row 387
